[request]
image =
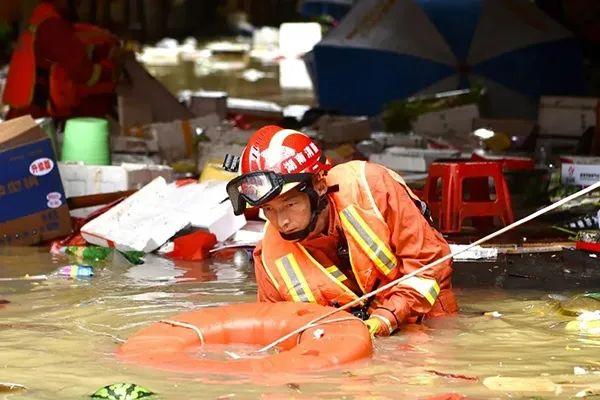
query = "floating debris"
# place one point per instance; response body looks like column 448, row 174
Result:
column 122, row 391
column 454, row 376
column 294, row 386
column 493, row 314
column 6, row 387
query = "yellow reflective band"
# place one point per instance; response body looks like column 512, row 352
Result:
column 427, row 288
column 95, row 75
column 32, row 28
column 327, row 274
column 294, row 279
column 268, row 271
column 368, row 241
column 336, row 273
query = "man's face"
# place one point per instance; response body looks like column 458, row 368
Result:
column 289, row 212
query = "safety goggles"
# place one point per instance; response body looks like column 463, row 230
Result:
column 259, row 187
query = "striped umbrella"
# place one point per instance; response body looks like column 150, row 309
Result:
column 385, row 50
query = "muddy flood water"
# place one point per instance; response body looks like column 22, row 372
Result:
column 58, row 338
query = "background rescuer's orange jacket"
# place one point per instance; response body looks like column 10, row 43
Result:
column 394, row 231
column 54, row 67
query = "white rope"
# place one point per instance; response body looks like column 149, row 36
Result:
column 434, row 263
column 185, row 325
column 329, row 321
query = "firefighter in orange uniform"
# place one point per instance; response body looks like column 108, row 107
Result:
column 334, row 234
column 60, row 68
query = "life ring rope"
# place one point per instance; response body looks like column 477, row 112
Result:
column 329, row 321
column 185, row 325
column 328, row 344
column 201, row 335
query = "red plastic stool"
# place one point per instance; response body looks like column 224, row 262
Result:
column 451, row 208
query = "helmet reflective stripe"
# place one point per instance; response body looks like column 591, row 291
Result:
column 277, row 151
column 284, row 151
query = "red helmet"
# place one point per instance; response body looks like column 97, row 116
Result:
column 284, row 151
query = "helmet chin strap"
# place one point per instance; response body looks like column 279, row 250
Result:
column 317, row 205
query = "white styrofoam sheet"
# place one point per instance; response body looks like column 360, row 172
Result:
column 151, row 216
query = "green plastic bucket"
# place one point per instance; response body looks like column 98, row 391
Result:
column 86, row 140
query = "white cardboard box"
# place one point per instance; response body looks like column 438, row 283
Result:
column 452, row 120
column 81, row 180
column 408, row 159
column 566, row 116
column 577, row 170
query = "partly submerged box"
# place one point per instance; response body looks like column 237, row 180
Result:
column 32, row 200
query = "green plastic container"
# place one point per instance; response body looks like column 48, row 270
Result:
column 86, row 140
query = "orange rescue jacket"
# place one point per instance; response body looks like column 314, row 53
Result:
column 18, row 92
column 64, row 94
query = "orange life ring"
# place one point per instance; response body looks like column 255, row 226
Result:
column 342, row 339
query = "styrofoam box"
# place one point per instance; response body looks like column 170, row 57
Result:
column 452, row 120
column 297, row 38
column 566, row 116
column 294, row 75
column 80, row 180
column 413, row 160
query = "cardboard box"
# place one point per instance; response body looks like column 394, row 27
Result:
column 133, row 113
column 452, row 120
column 334, row 129
column 577, row 170
column 137, row 145
column 176, row 138
column 566, row 116
column 32, row 198
column 205, row 103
